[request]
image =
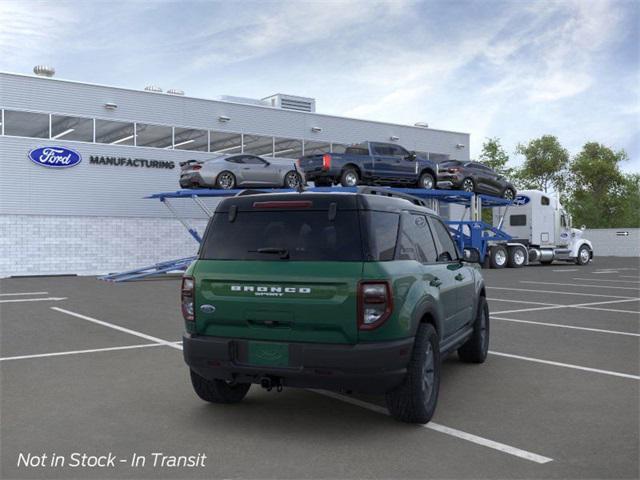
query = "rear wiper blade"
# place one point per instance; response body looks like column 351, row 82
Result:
column 283, row 252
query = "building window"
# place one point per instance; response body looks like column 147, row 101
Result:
column 157, row 136
column 438, row 157
column 26, row 124
column 258, row 145
column 225, row 143
column 338, row 147
column 190, row 139
column 287, row 148
column 114, row 133
column 71, row 128
column 313, row 148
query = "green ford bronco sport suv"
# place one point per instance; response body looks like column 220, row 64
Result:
column 352, row 292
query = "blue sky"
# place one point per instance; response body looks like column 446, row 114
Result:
column 514, row 70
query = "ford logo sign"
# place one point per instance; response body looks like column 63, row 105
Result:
column 55, row 157
column 521, row 200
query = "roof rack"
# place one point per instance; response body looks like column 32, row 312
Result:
column 386, row 192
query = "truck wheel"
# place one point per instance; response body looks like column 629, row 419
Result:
column 414, row 401
column 349, row 178
column 584, row 255
column 517, row 257
column 498, row 256
column 218, row 391
column 226, row 180
column 475, row 349
column 426, row 181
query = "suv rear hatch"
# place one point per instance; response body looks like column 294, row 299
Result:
column 283, row 270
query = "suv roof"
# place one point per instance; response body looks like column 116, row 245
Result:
column 365, row 200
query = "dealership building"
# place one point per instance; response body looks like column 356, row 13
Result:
column 92, row 217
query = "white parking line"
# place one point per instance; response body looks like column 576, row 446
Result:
column 119, row 328
column 604, row 280
column 587, row 306
column 492, row 299
column 23, row 293
column 76, row 352
column 628, row 276
column 566, row 365
column 566, row 270
column 48, row 299
column 582, row 285
column 559, row 325
column 485, row 442
column 559, row 293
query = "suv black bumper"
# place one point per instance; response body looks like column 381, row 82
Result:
column 368, row 368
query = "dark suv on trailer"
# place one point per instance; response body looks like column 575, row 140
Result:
column 342, row 291
column 474, row 177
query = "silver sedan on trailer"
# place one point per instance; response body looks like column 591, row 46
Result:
column 240, row 170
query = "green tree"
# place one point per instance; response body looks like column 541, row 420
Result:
column 545, row 164
column 494, row 156
column 600, row 195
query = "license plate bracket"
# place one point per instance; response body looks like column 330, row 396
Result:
column 268, row 354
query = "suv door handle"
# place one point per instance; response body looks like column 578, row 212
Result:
column 459, row 277
column 435, row 282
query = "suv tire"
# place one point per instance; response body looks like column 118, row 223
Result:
column 475, row 349
column 218, row 391
column 349, row 177
column 414, row 401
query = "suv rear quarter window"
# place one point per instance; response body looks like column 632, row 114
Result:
column 382, row 233
column 447, row 251
column 415, row 241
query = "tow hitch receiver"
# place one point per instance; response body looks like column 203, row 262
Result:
column 269, row 383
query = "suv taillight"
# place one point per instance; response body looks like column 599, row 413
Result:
column 375, row 304
column 187, row 294
column 326, row 161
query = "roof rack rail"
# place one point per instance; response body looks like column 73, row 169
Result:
column 386, row 192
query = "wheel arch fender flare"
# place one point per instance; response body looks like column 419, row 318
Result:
column 576, row 247
column 427, row 312
column 353, row 166
column 428, row 169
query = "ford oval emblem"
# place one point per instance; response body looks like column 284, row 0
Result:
column 207, row 308
column 55, row 157
column 521, row 200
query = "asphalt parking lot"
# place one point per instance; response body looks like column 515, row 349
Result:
column 94, row 367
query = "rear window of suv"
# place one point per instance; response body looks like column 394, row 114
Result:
column 284, row 235
column 303, row 236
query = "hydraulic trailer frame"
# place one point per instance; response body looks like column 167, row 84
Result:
column 473, row 233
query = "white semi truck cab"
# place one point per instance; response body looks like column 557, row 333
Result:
column 541, row 231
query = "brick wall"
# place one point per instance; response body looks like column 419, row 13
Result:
column 45, row 245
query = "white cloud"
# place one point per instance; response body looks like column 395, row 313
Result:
column 32, row 28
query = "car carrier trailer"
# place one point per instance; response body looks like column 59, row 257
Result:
column 495, row 245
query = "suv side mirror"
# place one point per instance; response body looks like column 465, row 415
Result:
column 412, row 156
column 471, row 255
